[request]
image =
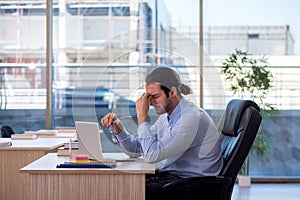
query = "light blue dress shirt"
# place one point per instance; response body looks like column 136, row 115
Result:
column 186, row 143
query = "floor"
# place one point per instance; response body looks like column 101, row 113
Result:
column 259, row 191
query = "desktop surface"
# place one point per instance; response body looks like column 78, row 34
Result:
column 48, row 163
column 36, row 144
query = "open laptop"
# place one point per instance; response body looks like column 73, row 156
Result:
column 89, row 141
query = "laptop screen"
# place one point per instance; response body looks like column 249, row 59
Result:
column 89, row 142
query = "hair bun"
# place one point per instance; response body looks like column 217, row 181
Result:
column 184, row 89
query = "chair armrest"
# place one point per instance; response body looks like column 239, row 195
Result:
column 204, row 187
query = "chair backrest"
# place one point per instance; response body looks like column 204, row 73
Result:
column 6, row 131
column 239, row 126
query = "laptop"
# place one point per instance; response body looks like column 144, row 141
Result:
column 89, row 141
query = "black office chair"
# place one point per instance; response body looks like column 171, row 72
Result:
column 6, row 131
column 239, row 127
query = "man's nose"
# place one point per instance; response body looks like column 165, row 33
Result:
column 152, row 101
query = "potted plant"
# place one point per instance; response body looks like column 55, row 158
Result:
column 249, row 77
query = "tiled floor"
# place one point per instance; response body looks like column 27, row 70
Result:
column 260, row 191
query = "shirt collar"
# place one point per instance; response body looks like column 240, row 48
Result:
column 176, row 112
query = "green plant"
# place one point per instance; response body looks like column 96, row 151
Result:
column 249, row 77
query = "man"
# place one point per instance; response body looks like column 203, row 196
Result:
column 183, row 142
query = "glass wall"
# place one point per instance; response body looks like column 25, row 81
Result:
column 22, row 64
column 102, row 52
column 270, row 29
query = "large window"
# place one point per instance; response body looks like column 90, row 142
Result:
column 270, row 29
column 22, row 64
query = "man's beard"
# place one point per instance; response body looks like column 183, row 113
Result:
column 161, row 109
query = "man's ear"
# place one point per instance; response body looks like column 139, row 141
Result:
column 173, row 92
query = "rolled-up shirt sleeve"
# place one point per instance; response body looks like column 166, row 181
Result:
column 129, row 144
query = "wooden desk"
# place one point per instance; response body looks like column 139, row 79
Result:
column 126, row 181
column 13, row 184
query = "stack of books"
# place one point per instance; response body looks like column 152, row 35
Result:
column 42, row 133
column 65, row 150
column 31, row 135
column 66, row 129
column 23, row 136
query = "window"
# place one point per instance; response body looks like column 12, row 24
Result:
column 254, row 27
column 22, row 64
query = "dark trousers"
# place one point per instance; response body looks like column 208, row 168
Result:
column 154, row 182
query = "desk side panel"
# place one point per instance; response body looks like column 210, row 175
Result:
column 13, row 184
column 87, row 186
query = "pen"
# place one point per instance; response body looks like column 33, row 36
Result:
column 70, row 148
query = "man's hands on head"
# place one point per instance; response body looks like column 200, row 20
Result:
column 142, row 108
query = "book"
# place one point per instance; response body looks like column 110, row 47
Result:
column 62, row 151
column 43, row 132
column 79, row 158
column 73, row 145
column 23, row 136
column 5, row 143
column 66, row 129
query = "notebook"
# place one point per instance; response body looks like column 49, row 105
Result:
column 89, row 141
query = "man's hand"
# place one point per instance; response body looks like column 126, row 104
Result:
column 142, row 107
column 111, row 119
